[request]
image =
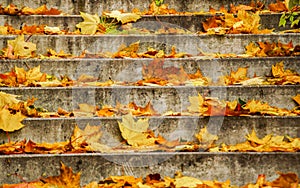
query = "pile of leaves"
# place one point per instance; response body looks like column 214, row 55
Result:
column 243, row 22
column 269, row 143
column 67, row 178
column 7, row 29
column 155, row 73
column 210, row 106
column 81, row 141
column 13, row 10
column 13, row 111
column 279, row 76
column 272, row 49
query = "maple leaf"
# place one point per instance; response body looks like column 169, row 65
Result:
column 66, row 178
column 197, row 104
column 123, row 17
column 8, row 99
column 136, row 132
column 90, row 24
column 204, row 137
column 21, row 48
column 11, row 122
column 90, row 135
column 148, row 110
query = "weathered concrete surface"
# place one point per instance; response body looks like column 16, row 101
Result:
column 192, row 23
column 231, row 130
column 130, row 70
column 75, row 6
column 191, row 44
column 240, row 168
column 162, row 98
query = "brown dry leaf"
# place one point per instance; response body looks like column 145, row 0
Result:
column 136, row 132
column 66, row 179
column 123, row 17
column 148, row 110
column 11, row 122
column 279, row 6
column 21, row 48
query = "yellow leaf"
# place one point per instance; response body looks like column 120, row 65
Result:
column 34, row 74
column 7, row 99
column 135, row 132
column 278, row 70
column 10, row 122
column 123, row 17
column 186, row 181
column 297, row 99
column 205, row 137
column 90, row 135
column 197, row 104
column 3, row 30
column 66, row 178
column 22, row 48
column 252, row 49
column 240, row 74
column 90, row 24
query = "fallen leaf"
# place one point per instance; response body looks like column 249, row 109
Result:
column 123, row 17
column 136, row 132
column 297, row 99
column 21, row 48
column 90, row 24
column 205, row 138
column 66, row 178
column 11, row 122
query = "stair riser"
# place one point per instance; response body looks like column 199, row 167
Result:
column 184, row 43
column 162, row 98
column 131, row 70
column 73, row 7
column 190, row 23
column 231, row 130
column 234, row 166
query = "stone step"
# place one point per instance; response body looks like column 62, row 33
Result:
column 240, row 168
column 74, row 7
column 163, row 98
column 76, row 44
column 191, row 23
column 130, row 70
column 230, row 130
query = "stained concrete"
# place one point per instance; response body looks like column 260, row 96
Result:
column 240, row 168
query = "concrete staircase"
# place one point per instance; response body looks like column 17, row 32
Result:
column 240, row 168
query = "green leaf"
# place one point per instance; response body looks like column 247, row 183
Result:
column 241, row 102
column 159, row 2
column 282, row 21
column 296, row 22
